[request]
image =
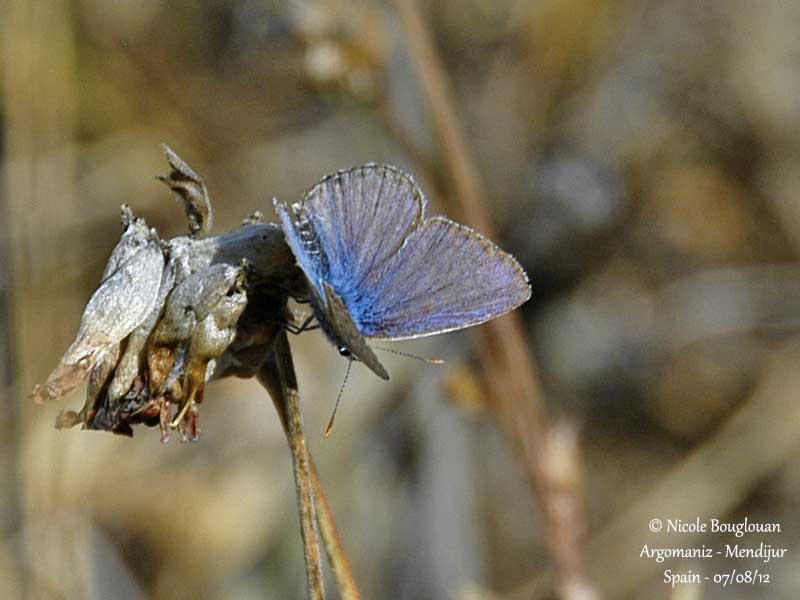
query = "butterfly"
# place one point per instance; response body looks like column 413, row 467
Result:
column 378, row 269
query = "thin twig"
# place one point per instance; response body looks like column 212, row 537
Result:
column 566, row 527
column 509, row 363
column 334, row 549
column 302, row 469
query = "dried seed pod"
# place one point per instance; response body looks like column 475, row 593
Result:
column 215, row 333
column 218, row 313
column 192, row 300
column 136, row 406
column 98, row 378
column 191, row 190
column 135, row 235
column 132, row 360
column 126, row 296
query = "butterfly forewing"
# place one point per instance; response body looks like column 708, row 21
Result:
column 360, row 218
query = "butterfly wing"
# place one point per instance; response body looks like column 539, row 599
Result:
column 350, row 224
column 445, row 277
column 397, row 276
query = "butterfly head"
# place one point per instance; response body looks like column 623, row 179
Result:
column 340, row 328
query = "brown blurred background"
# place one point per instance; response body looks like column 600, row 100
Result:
column 642, row 159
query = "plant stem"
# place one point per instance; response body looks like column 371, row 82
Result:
column 302, row 468
column 333, row 542
column 340, row 564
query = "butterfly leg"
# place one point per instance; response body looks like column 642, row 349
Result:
column 304, row 326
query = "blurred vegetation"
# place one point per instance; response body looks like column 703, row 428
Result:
column 642, row 159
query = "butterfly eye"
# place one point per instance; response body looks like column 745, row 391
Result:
column 343, row 351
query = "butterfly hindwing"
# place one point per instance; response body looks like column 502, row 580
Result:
column 445, row 277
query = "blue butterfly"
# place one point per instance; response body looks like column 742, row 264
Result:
column 379, row 270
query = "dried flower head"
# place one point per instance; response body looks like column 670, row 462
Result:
column 170, row 315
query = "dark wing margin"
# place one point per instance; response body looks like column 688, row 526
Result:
column 445, row 277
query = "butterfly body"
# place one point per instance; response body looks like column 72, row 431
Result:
column 378, row 269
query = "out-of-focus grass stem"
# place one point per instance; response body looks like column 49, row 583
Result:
column 509, row 364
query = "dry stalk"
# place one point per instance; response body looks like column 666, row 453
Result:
column 302, row 468
column 334, row 549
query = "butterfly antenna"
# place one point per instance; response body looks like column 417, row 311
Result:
column 430, row 361
column 329, row 428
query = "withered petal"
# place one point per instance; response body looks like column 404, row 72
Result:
column 123, row 300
